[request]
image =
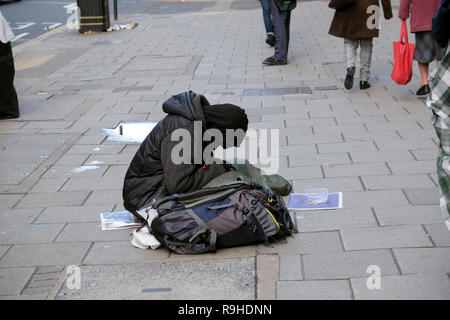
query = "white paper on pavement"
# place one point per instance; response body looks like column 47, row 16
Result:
column 119, row 220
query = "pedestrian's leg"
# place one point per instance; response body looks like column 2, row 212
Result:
column 265, row 4
column 423, row 68
column 9, row 105
column 365, row 58
column 279, row 24
column 424, row 89
column 350, row 47
column 288, row 27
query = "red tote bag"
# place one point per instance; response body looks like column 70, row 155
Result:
column 403, row 58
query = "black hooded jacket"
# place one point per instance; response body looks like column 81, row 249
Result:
column 152, row 173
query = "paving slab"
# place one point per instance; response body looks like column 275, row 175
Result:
column 361, row 169
column 314, row 290
column 267, row 272
column 93, row 183
column 18, row 216
column 104, row 197
column 223, row 279
column 90, row 231
column 422, row 196
column 49, row 254
column 423, row 260
column 117, row 252
column 439, row 233
column 385, row 237
column 291, row 267
column 41, row 200
column 405, row 287
column 352, row 264
column 3, row 250
column 13, row 280
column 319, row 159
column 408, row 215
column 302, row 243
column 68, row 214
column 328, row 220
column 397, row 181
column 8, row 201
column 29, row 233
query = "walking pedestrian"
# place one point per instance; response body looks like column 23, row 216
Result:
column 281, row 18
column 355, row 24
column 268, row 25
column 426, row 48
column 439, row 103
column 9, row 105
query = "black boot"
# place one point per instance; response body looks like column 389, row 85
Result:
column 363, row 85
column 270, row 40
column 424, row 90
column 348, row 83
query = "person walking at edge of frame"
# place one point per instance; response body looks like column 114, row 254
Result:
column 9, row 105
column 281, row 18
column 355, row 25
column 426, row 49
column 439, row 103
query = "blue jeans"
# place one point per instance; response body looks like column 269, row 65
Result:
column 265, row 4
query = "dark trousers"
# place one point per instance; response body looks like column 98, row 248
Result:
column 9, row 105
column 267, row 15
column 281, row 23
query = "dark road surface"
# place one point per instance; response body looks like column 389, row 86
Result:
column 31, row 18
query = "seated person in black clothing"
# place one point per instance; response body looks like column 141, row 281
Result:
column 153, row 173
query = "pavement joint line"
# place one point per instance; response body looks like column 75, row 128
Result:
column 395, row 261
column 372, row 209
column 352, row 293
column 60, row 232
column 87, row 253
column 33, row 178
column 428, row 235
column 28, row 280
column 37, row 217
column 59, row 284
column 432, row 180
column 406, row 196
column 80, row 110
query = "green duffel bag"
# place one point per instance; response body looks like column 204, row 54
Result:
column 248, row 172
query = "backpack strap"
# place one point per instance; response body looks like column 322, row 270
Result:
column 203, row 192
column 200, row 222
column 212, row 198
column 232, row 203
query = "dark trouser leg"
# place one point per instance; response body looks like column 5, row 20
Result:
column 288, row 30
column 9, row 105
column 281, row 27
column 267, row 16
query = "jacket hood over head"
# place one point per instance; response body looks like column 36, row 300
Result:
column 188, row 105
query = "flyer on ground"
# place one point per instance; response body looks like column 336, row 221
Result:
column 305, row 202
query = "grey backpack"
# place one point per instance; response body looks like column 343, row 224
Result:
column 236, row 214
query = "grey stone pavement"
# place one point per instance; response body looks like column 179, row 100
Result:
column 376, row 146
